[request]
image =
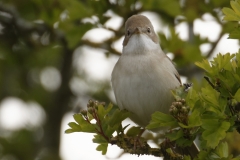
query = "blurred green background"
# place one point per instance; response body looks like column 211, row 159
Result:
column 42, row 66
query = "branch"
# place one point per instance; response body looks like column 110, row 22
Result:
column 214, row 45
column 103, row 45
column 141, row 148
column 12, row 17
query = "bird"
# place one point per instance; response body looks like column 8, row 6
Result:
column 143, row 77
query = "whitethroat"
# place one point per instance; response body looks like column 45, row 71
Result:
column 144, row 76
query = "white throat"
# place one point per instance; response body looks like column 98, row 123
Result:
column 141, row 44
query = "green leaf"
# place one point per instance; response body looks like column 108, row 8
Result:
column 118, row 116
column 236, row 7
column 211, row 96
column 192, row 97
column 69, row 131
column 84, row 125
column 78, row 10
column 184, row 141
column 186, row 157
column 74, row 126
column 171, row 8
column 230, row 15
column 102, row 112
column 74, row 33
column 103, row 148
column 237, row 95
column 214, row 131
column 160, row 119
column 110, row 130
column 204, row 65
column 103, row 143
column 194, row 119
column 202, row 155
column 223, row 61
column 174, row 135
column 235, row 33
column 99, row 139
column 222, row 150
column 133, row 131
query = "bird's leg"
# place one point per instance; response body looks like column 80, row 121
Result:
column 137, row 139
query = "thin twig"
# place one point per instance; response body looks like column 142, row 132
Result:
column 208, row 80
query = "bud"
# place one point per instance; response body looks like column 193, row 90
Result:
column 84, row 112
column 90, row 103
column 96, row 103
column 174, row 103
column 183, row 101
column 184, row 110
column 174, row 110
column 90, row 110
column 178, row 105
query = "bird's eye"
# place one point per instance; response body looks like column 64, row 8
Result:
column 128, row 33
column 148, row 30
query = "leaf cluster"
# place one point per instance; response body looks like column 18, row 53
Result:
column 233, row 14
column 208, row 113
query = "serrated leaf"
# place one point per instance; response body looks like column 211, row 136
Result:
column 236, row 7
column 211, row 96
column 160, row 119
column 194, row 119
column 222, row 150
column 118, row 116
column 78, row 118
column 101, row 112
column 202, row 155
column 74, row 126
column 174, row 135
column 230, row 15
column 102, row 148
column 184, row 142
column 223, row 62
column 192, row 97
column 84, row 125
column 235, row 33
column 204, row 65
column 69, row 131
column 99, row 139
column 110, row 130
column 214, row 131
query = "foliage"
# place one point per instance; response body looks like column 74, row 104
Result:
column 233, row 15
column 105, row 121
column 210, row 112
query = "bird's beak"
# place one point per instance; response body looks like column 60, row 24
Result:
column 138, row 30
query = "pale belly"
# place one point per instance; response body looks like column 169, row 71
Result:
column 143, row 96
column 142, row 87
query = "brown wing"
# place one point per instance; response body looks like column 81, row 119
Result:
column 176, row 73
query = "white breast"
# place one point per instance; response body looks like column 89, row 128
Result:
column 142, row 84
